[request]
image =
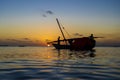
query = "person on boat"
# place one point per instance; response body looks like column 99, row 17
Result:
column 91, row 37
column 59, row 40
column 70, row 41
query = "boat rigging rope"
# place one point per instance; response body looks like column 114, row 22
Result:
column 65, row 30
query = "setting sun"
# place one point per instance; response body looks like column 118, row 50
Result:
column 35, row 22
column 48, row 45
column 60, row 39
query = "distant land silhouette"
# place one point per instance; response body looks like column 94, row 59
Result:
column 46, row 45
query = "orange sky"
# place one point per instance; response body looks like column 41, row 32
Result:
column 34, row 22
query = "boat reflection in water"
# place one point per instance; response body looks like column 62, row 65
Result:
column 75, row 54
column 47, row 63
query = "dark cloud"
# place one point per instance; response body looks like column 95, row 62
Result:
column 47, row 40
column 37, row 40
column 20, row 40
column 49, row 12
column 77, row 34
column 13, row 40
column 26, row 39
column 44, row 15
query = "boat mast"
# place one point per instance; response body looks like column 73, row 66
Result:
column 61, row 30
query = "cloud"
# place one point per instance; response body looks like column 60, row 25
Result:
column 47, row 40
column 44, row 15
column 49, row 12
column 77, row 34
column 13, row 40
column 26, row 39
column 20, row 40
column 37, row 40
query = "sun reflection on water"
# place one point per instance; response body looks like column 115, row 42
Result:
column 49, row 63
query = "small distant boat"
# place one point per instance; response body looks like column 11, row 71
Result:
column 3, row 45
column 84, row 43
column 21, row 45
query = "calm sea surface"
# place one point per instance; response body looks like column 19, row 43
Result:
column 47, row 63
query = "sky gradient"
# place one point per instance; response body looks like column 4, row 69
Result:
column 32, row 22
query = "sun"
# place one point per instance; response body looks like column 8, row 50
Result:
column 48, row 45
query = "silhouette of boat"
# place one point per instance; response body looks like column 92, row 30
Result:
column 84, row 43
column 21, row 46
column 61, row 46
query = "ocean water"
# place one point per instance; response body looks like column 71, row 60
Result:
column 47, row 63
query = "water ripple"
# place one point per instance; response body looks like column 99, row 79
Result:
column 62, row 67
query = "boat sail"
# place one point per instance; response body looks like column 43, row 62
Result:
column 84, row 43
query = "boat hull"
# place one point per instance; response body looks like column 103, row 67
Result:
column 61, row 46
column 71, row 48
column 78, row 44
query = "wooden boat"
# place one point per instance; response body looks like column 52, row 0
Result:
column 61, row 46
column 84, row 43
column 21, row 46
